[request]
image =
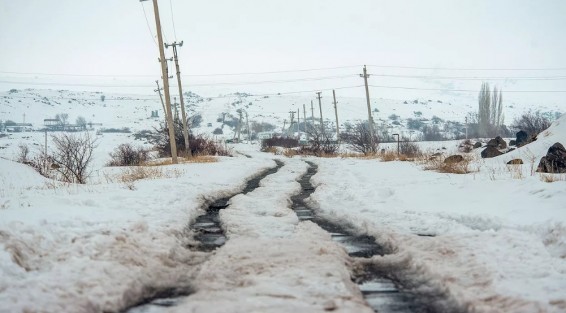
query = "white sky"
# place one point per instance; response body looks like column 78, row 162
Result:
column 226, row 36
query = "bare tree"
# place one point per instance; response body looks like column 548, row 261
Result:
column 532, row 123
column 359, row 139
column 72, row 156
column 490, row 111
column 81, row 122
column 63, row 119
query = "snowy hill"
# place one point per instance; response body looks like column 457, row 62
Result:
column 221, row 112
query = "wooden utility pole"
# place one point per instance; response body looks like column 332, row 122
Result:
column 165, row 77
column 248, row 125
column 370, row 119
column 305, row 121
column 162, row 103
column 320, row 108
column 239, row 125
column 336, row 112
column 298, row 123
column 183, row 115
column 312, row 113
column 292, row 116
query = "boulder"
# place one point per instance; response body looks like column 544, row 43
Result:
column 497, row 143
column 454, row 159
column 522, row 138
column 554, row 161
column 490, row 152
column 515, row 162
column 477, row 145
column 512, row 142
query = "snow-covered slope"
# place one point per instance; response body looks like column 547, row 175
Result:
column 135, row 111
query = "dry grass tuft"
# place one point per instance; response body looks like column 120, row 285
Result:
column 437, row 164
column 193, row 159
column 290, row 153
column 133, row 173
column 551, row 178
column 201, row 159
column 388, row 156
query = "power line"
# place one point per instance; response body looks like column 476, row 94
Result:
column 468, row 90
column 147, row 23
column 470, row 69
column 173, row 19
column 475, row 78
column 197, row 85
column 192, row 75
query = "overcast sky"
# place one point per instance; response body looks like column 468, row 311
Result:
column 227, row 36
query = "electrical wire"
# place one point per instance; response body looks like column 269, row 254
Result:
column 468, row 90
column 190, row 85
column 190, row 75
column 148, row 27
column 173, row 19
column 469, row 69
column 474, row 78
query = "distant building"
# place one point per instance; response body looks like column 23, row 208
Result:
column 18, row 127
column 265, row 135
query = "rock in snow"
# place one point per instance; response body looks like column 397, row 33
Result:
column 554, row 161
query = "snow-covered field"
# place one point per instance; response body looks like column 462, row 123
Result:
column 493, row 240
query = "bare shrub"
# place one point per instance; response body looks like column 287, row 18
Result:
column 42, row 163
column 320, row 144
column 388, row 156
column 72, row 156
column 128, row 155
column 532, row 123
column 279, row 142
column 360, row 139
column 199, row 144
column 23, row 154
column 409, row 149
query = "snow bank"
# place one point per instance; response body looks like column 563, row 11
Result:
column 93, row 248
column 499, row 245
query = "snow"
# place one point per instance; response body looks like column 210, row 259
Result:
column 99, row 247
column 499, row 243
column 494, row 239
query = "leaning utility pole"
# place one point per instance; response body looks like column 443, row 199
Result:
column 336, row 112
column 320, row 108
column 162, row 103
column 239, row 125
column 305, row 121
column 370, row 119
column 292, row 116
column 248, row 123
column 165, row 77
column 183, row 115
column 298, row 123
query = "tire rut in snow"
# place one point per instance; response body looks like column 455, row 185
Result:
column 381, row 293
column 209, row 232
column 210, row 235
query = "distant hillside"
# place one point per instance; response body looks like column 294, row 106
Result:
column 221, row 113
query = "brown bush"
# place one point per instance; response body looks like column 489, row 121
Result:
column 128, row 155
